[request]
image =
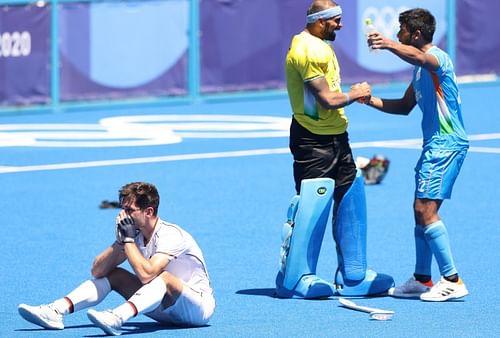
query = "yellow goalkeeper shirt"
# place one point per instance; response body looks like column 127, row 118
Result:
column 307, row 59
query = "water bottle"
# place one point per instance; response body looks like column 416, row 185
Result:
column 369, row 28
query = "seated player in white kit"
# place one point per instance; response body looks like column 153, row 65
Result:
column 169, row 283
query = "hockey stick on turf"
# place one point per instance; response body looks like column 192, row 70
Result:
column 377, row 314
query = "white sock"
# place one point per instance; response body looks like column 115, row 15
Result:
column 88, row 294
column 146, row 299
column 62, row 305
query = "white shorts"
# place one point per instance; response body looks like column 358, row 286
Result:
column 192, row 308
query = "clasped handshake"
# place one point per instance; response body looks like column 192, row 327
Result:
column 126, row 231
column 361, row 92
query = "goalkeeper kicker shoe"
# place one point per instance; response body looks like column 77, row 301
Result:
column 411, row 289
column 107, row 320
column 43, row 315
column 445, row 290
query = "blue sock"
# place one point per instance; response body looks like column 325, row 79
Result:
column 437, row 238
column 423, row 253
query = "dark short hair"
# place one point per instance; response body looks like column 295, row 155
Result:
column 144, row 195
column 419, row 19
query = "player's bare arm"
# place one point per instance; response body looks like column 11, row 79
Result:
column 108, row 260
column 408, row 53
column 402, row 106
column 145, row 269
column 333, row 100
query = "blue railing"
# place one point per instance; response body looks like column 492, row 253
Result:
column 193, row 84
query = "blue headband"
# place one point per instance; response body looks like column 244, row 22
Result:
column 324, row 14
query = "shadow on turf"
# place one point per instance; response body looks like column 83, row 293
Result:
column 269, row 292
column 127, row 328
column 146, row 327
column 67, row 327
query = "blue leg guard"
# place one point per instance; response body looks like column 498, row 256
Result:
column 302, row 237
column 352, row 277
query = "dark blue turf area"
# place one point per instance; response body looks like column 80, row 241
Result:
column 234, row 204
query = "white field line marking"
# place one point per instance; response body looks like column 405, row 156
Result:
column 395, row 144
column 482, row 137
column 141, row 160
column 489, row 150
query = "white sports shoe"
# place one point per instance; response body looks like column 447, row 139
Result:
column 43, row 315
column 444, row 290
column 107, row 320
column 411, row 289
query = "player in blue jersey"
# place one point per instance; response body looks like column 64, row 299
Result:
column 434, row 89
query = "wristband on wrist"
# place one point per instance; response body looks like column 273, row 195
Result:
column 347, row 98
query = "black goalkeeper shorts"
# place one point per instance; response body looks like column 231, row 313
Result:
column 318, row 156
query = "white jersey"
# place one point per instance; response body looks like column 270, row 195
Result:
column 186, row 259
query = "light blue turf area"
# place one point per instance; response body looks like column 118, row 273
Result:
column 234, row 202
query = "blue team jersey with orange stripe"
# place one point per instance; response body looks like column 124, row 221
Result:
column 437, row 95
